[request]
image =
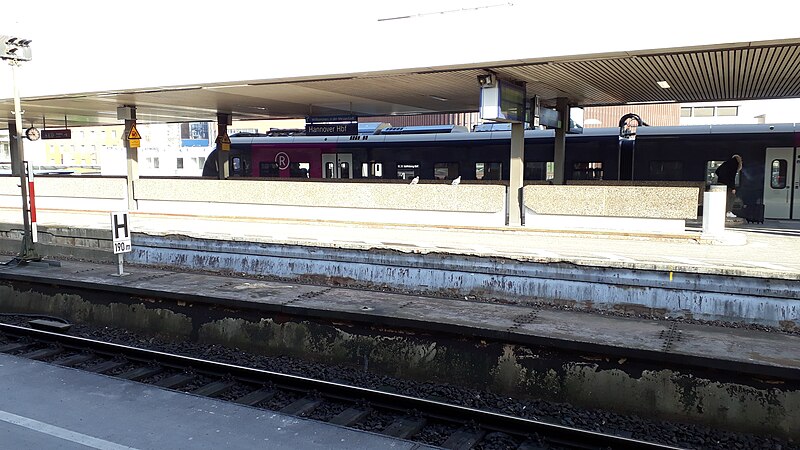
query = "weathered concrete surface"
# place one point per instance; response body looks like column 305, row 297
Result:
column 699, row 296
column 522, row 371
column 719, row 296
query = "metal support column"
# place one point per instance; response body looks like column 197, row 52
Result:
column 13, row 147
column 223, row 168
column 516, row 173
column 28, row 251
column 131, row 155
column 559, row 159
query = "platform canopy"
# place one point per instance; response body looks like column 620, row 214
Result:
column 733, row 71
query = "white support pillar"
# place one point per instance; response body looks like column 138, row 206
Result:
column 516, row 174
column 714, row 211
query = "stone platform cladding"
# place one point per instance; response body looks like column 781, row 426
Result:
column 652, row 202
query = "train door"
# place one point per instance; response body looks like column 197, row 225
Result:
column 337, row 165
column 782, row 184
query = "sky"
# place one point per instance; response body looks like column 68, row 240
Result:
column 91, row 45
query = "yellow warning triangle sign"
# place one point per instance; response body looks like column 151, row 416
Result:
column 134, row 133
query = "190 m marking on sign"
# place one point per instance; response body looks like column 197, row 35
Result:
column 122, row 246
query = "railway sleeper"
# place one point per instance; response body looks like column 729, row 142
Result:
column 214, row 388
column 74, row 360
column 405, row 427
column 302, row 406
column 141, row 373
column 107, row 366
column 256, row 397
column 176, row 381
column 464, row 439
column 16, row 346
column 43, row 353
column 350, row 416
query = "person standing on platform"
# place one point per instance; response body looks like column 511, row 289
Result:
column 726, row 174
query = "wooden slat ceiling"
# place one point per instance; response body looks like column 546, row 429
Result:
column 742, row 71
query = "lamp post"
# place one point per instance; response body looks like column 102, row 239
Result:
column 14, row 50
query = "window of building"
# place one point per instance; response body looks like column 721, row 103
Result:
column 778, row 178
column 488, row 171
column 686, row 112
column 539, row 170
column 703, row 111
column 727, row 111
column 587, row 170
column 268, row 169
column 445, row 171
column 299, row 169
column 666, row 170
column 407, row 170
column 179, row 163
column 711, row 168
column 372, row 170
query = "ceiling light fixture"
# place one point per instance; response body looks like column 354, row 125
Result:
column 663, row 84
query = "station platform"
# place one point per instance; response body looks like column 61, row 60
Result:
column 43, row 406
column 770, row 250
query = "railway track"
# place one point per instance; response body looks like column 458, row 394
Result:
column 387, row 413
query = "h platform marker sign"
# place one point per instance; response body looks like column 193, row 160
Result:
column 120, row 236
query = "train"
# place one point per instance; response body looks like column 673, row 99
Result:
column 770, row 174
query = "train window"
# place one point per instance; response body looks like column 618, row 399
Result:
column 445, row 171
column 201, row 162
column 539, row 170
column 299, row 169
column 488, row 171
column 686, row 111
column 711, row 171
column 727, row 110
column 587, row 171
column 372, row 170
column 329, row 170
column 778, row 178
column 666, row 170
column 237, row 166
column 179, row 163
column 268, row 169
column 407, row 170
column 344, row 169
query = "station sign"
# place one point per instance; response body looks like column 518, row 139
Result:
column 224, row 142
column 57, row 134
column 342, row 125
column 120, row 232
column 134, row 138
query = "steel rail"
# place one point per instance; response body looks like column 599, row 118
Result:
column 487, row 420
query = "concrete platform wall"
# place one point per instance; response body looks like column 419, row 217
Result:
column 773, row 302
column 661, row 209
column 479, row 205
column 69, row 193
column 423, row 204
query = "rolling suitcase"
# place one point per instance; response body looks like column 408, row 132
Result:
column 753, row 213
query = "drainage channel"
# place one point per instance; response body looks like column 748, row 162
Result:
column 406, row 417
